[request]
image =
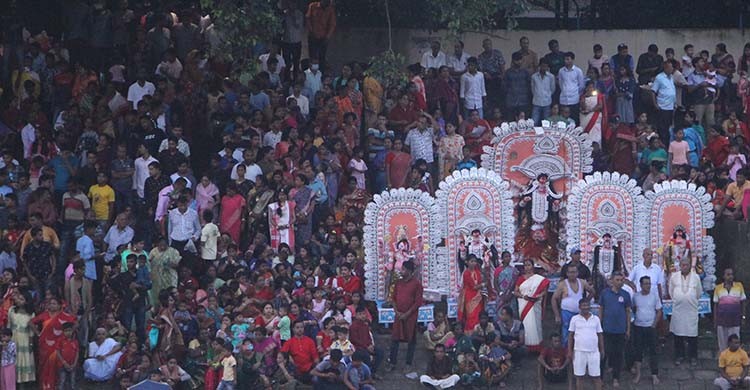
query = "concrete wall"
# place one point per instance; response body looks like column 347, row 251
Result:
column 360, row 43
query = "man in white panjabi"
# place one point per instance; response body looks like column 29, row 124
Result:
column 685, row 290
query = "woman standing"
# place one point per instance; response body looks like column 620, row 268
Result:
column 51, row 322
column 19, row 321
column 624, row 90
column 593, row 113
column 232, row 210
column 164, row 263
column 397, row 164
column 170, row 336
column 471, row 300
column 207, row 195
column 281, row 220
column 531, row 291
column 450, row 150
column 304, row 201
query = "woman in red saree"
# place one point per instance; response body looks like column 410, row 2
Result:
column 531, row 291
column 470, row 300
column 232, row 210
column 51, row 322
column 397, row 164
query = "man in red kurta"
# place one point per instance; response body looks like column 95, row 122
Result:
column 347, row 284
column 301, row 349
column 407, row 298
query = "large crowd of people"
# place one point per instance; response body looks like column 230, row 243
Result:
column 163, row 217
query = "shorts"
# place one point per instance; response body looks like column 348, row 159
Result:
column 583, row 361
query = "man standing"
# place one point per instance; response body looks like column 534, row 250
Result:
column 118, row 234
column 434, row 58
column 575, row 261
column 529, row 59
column 291, row 42
column 543, row 87
column 571, row 81
column 614, row 306
column 140, row 88
column 730, row 301
column 566, row 297
column 648, row 268
column 649, row 65
column 184, row 227
column 647, row 309
column 134, row 297
column 555, row 58
column 586, row 346
column 472, row 88
column 685, row 290
column 76, row 207
column 666, row 94
column 622, row 58
column 492, row 64
column 420, row 141
column 321, row 23
column 598, row 59
column 458, row 62
column 736, row 192
column 39, row 261
column 517, row 81
column 407, row 298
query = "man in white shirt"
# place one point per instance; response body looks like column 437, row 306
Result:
column 472, row 89
column 647, row 309
column 433, row 58
column 141, row 169
column 302, row 102
column 313, row 80
column 571, row 81
column 274, row 52
column 139, row 89
column 586, row 345
column 542, row 88
column 458, row 61
column 648, row 268
column 252, row 170
column 272, row 137
column 184, row 227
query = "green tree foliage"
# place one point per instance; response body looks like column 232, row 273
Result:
column 241, row 25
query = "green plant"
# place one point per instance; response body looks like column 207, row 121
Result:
column 389, row 69
column 240, row 26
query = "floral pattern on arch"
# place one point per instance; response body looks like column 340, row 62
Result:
column 676, row 202
column 392, row 216
column 472, row 199
column 606, row 203
column 520, row 151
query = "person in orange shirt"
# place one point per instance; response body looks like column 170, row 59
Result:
column 321, row 23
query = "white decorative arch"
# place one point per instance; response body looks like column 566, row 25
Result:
column 520, row 151
column 389, row 211
column 472, row 199
column 677, row 202
column 606, row 203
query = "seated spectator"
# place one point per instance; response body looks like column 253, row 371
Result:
column 439, row 373
column 553, row 362
column 438, row 331
column 358, row 375
column 104, row 353
column 494, row 361
column 329, row 373
column 511, row 334
column 733, row 366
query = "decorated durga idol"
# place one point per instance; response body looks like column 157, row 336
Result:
column 539, row 222
column 400, row 253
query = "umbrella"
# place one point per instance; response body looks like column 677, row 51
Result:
column 150, row 385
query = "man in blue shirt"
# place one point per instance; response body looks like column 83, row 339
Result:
column 614, row 311
column 85, row 248
column 666, row 93
column 65, row 165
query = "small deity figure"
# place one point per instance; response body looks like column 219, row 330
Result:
column 398, row 255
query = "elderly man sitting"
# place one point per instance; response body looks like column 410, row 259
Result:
column 104, row 353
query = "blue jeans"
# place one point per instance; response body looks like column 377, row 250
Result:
column 566, row 316
column 225, row 385
column 539, row 113
column 129, row 312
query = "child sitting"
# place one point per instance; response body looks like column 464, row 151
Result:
column 342, row 343
column 494, row 360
